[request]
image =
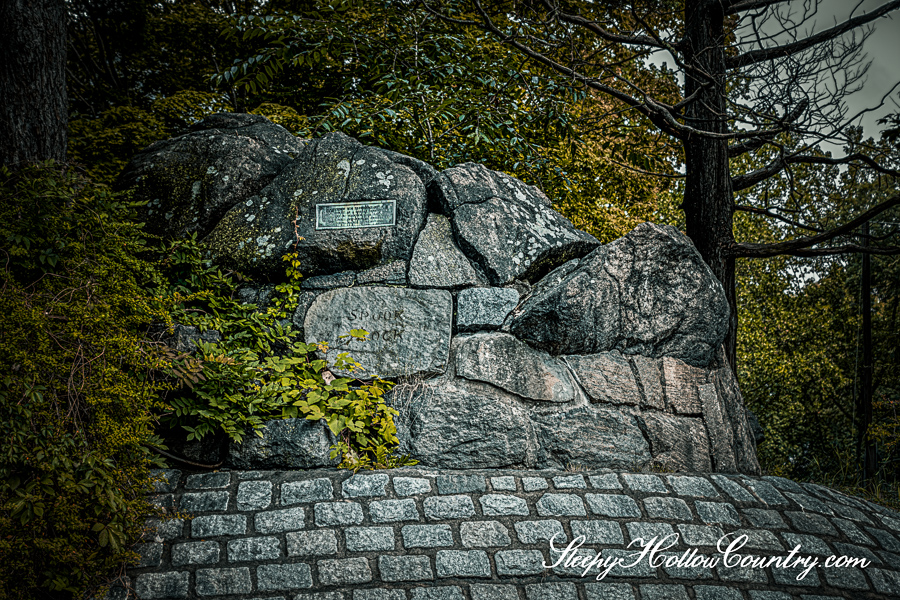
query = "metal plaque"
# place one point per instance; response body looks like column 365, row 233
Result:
column 355, row 215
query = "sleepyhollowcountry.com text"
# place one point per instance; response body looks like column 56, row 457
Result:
column 729, row 556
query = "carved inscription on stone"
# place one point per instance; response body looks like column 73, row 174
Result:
column 409, row 330
column 356, row 215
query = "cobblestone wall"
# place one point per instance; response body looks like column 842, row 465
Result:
column 416, row 534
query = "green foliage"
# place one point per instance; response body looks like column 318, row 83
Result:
column 260, row 370
column 76, row 398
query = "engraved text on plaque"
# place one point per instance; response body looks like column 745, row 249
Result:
column 355, row 215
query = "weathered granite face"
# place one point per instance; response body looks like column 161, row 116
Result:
column 517, row 339
column 192, row 180
column 409, row 330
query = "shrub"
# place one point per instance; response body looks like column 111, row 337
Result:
column 76, row 396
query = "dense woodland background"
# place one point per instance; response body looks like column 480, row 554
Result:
column 398, row 76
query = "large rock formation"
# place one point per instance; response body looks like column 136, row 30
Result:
column 517, row 340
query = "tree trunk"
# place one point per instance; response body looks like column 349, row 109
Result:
column 708, row 196
column 33, row 101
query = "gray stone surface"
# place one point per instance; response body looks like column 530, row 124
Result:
column 644, row 483
column 591, row 437
column 405, row 568
column 674, row 509
column 460, row 484
column 283, row 577
column 569, row 505
column 364, row 539
column 436, row 260
column 533, row 532
column 448, row 507
column 487, row 591
column 285, row 444
column 607, row 533
column 365, row 485
column 677, row 443
column 492, row 212
column 190, row 181
column 258, row 548
column 338, row 513
column 409, row 330
column 207, row 481
column 223, row 582
column 256, row 233
column 344, row 571
column 606, row 377
column 390, row 511
column 612, row 505
column 254, row 495
column 195, row 553
column 484, row 534
column 484, row 308
column 321, row 542
column 278, row 521
column 455, row 424
column 427, row 536
column 647, row 293
column 204, row 502
column 312, row 490
column 502, row 360
column 462, row 563
column 519, row 562
column 162, row 585
column 411, row 486
column 502, row 504
column 214, row 525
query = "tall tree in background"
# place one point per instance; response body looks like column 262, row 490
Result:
column 33, row 103
column 753, row 77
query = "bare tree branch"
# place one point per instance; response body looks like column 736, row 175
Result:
column 764, row 54
column 802, row 246
column 746, row 5
column 742, row 182
column 766, row 212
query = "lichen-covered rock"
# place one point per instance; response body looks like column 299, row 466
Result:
column 647, row 293
column 437, row 262
column 503, row 361
column 506, row 226
column 484, row 308
column 192, row 180
column 286, row 216
column 461, row 425
column 409, row 330
column 285, row 444
column 591, row 437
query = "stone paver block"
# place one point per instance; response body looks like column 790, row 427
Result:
column 344, row 571
column 519, row 562
column 254, row 495
column 505, row 483
column 283, row 577
column 426, row 536
column 612, row 505
column 648, row 531
column 807, row 502
column 534, row 484
column 164, row 530
column 741, row 574
column 717, row 512
column 761, row 517
column 448, row 507
column 213, row 525
column 484, row 534
column 203, row 501
column 766, row 492
column 533, row 532
column 757, row 539
column 222, row 582
column 610, row 481
column 692, row 486
column 502, row 504
column 379, row 594
column 796, row 576
column 484, row 308
column 551, row 591
column 195, row 553
column 846, row 578
column 681, row 566
column 314, row 490
column 411, row 486
column 488, row 591
column 884, row 538
column 809, row 544
column 768, row 595
column 700, row 535
column 460, row 484
column 716, row 592
column 405, row 568
column 150, row 554
column 608, row 591
column 365, row 485
column 447, row 592
column 631, row 564
column 811, row 523
column 663, row 592
column 607, row 533
column 885, row 582
column 151, row 586
column 733, row 489
column 675, row 509
column 462, row 563
column 364, row 539
column 563, row 505
column 279, row 521
column 258, row 548
column 391, row 511
column 568, row 482
column 208, row 481
column 165, row 480
column 321, row 542
column 644, row 483
column 338, row 513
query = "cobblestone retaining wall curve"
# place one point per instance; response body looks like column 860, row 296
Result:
column 422, row 534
